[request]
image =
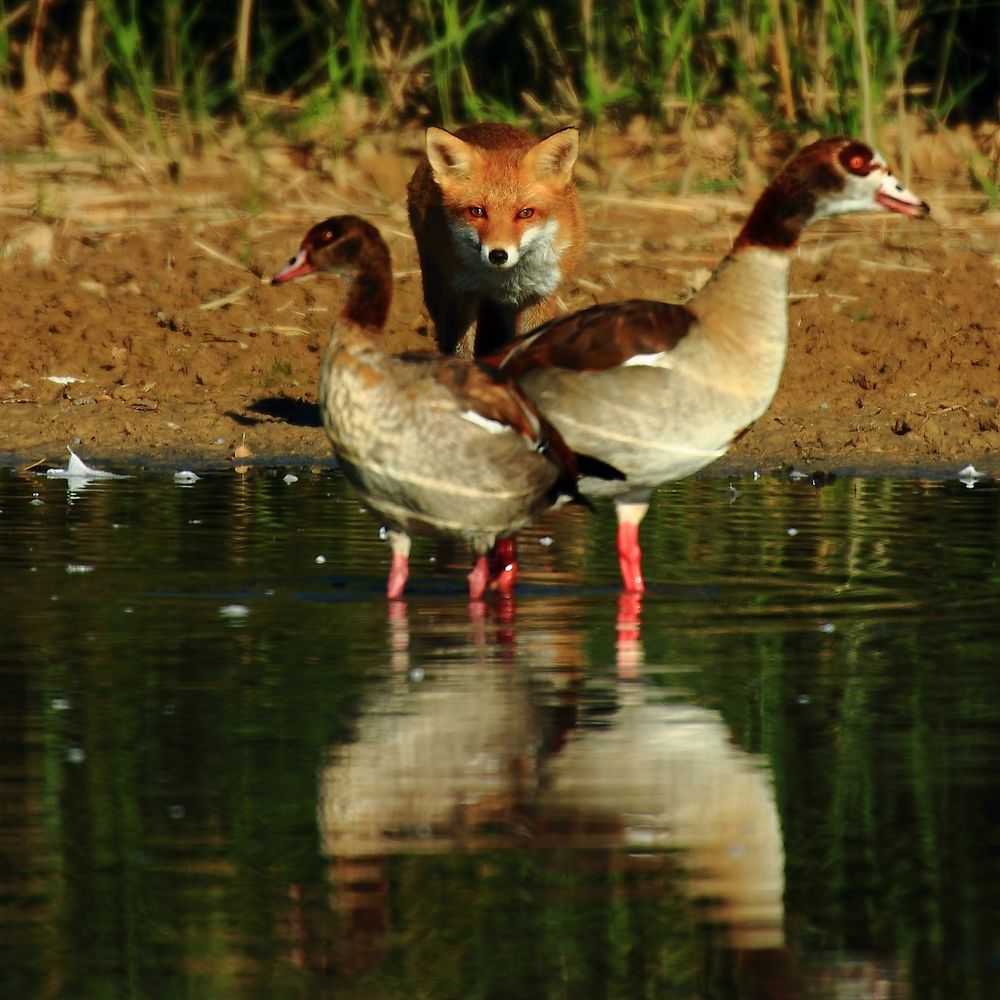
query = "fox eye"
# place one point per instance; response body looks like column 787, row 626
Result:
column 526, row 213
column 477, row 211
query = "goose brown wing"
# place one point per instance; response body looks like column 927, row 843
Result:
column 494, row 397
column 598, row 338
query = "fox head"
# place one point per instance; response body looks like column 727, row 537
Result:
column 503, row 200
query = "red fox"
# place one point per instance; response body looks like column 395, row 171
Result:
column 498, row 225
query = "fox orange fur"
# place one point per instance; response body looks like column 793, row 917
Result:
column 498, row 225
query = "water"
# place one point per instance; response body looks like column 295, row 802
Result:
column 228, row 769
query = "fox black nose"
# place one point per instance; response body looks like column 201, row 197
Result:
column 498, row 256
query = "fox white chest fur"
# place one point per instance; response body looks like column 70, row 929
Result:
column 532, row 272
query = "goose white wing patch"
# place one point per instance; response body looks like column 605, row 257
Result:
column 493, row 426
column 661, row 359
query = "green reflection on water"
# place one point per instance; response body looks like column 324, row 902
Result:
column 161, row 753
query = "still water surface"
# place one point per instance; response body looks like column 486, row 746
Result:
column 228, row 769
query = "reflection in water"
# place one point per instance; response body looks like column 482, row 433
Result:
column 468, row 757
column 540, row 801
column 439, row 762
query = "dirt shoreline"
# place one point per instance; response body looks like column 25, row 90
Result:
column 155, row 298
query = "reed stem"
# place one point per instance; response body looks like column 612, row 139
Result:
column 241, row 57
column 861, row 36
column 781, row 57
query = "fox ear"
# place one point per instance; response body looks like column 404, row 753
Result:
column 555, row 155
column 449, row 156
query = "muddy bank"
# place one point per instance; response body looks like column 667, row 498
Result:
column 138, row 324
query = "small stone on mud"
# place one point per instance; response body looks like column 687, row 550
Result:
column 96, row 287
column 706, row 215
column 36, row 239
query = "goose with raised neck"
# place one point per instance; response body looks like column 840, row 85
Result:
column 432, row 445
column 660, row 390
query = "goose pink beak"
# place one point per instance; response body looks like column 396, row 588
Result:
column 297, row 267
column 896, row 198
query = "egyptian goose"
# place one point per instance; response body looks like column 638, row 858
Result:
column 431, row 444
column 660, row 390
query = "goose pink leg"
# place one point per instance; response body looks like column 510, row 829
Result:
column 399, row 570
column 479, row 578
column 504, row 565
column 630, row 516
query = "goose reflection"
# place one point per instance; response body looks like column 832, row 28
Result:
column 671, row 771
column 480, row 743
column 442, row 747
